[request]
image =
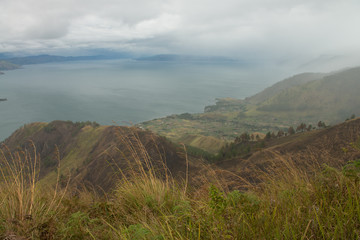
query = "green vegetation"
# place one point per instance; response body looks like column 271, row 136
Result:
column 307, row 97
column 199, row 153
column 147, row 205
column 240, row 149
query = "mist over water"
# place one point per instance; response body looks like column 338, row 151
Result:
column 122, row 91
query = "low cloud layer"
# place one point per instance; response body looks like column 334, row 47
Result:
column 258, row 28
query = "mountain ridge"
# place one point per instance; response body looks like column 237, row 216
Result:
column 82, row 146
column 94, row 155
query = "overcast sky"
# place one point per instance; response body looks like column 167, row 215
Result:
column 258, row 28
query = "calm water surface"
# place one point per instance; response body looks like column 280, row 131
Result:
column 121, row 91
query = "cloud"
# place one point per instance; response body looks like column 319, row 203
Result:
column 262, row 28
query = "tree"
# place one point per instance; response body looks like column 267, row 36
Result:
column 301, row 127
column 309, row 128
column 273, row 135
column 291, row 131
column 268, row 135
column 244, row 137
column 321, row 124
column 280, row 133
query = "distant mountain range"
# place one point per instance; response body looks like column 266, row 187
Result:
column 7, row 62
column 185, row 58
column 39, row 59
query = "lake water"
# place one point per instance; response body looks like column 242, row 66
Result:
column 122, row 91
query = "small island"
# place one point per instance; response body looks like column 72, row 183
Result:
column 3, row 99
column 1, row 73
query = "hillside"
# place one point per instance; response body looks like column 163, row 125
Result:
column 93, row 154
column 332, row 97
column 283, row 85
column 308, row 98
column 5, row 65
column 286, row 190
column 307, row 152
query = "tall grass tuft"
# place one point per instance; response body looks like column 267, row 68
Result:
column 147, row 195
column 26, row 209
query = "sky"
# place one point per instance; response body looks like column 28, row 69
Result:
column 268, row 29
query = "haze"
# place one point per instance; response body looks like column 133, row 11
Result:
column 271, row 30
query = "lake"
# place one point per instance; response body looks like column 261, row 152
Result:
column 122, row 91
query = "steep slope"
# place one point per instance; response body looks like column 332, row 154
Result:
column 96, row 156
column 333, row 97
column 230, row 104
column 307, row 152
column 277, row 88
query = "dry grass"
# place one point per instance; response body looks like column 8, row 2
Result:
column 25, row 206
column 148, row 203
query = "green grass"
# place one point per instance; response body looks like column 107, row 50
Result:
column 84, row 142
column 149, row 204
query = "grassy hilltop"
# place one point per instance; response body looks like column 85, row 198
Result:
column 308, row 98
column 302, row 186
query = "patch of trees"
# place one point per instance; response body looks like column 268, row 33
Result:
column 246, row 143
column 197, row 152
column 49, row 128
column 351, row 117
column 186, row 116
column 321, row 125
column 79, row 125
column 302, row 127
column 245, row 137
column 243, row 145
column 87, row 123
